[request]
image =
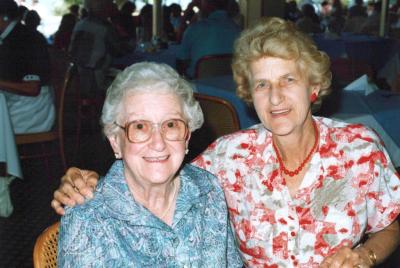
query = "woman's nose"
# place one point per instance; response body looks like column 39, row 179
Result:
column 157, row 141
column 275, row 96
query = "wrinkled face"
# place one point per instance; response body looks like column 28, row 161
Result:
column 281, row 95
column 156, row 160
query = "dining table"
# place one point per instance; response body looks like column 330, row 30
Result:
column 374, row 50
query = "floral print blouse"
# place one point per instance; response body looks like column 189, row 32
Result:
column 112, row 230
column 351, row 188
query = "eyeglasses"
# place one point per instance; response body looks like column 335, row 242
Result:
column 138, row 131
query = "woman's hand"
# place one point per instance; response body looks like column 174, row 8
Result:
column 346, row 257
column 76, row 185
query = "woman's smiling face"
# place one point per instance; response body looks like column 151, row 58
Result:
column 156, row 160
column 281, row 94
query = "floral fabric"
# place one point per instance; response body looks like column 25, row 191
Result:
column 350, row 188
column 112, row 230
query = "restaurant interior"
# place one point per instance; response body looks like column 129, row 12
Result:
column 366, row 89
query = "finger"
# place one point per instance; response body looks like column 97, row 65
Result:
column 326, row 263
column 71, row 172
column 63, row 199
column 69, row 192
column 57, row 207
column 348, row 263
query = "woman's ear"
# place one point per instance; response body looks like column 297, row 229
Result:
column 315, row 89
column 115, row 143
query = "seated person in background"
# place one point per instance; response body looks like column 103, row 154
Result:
column 302, row 190
column 24, row 74
column 94, row 42
column 124, row 21
column 371, row 25
column 214, row 34
column 149, row 210
column 358, row 9
column 357, row 15
column 309, row 21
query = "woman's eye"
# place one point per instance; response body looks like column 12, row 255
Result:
column 262, row 85
column 139, row 126
column 287, row 81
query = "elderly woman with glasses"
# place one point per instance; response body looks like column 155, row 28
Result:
column 149, row 210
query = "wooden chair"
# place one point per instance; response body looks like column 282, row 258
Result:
column 54, row 135
column 220, row 118
column 45, row 250
column 88, row 110
column 213, row 65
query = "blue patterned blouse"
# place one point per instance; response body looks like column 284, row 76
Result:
column 112, row 230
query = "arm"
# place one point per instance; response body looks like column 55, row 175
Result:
column 380, row 245
column 27, row 88
column 76, row 185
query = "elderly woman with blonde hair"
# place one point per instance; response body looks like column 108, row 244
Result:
column 149, row 210
column 302, row 191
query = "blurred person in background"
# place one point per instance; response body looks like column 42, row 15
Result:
column 62, row 37
column 215, row 34
column 24, row 73
column 94, row 42
column 309, row 21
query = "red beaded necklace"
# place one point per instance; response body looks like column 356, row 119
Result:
column 298, row 169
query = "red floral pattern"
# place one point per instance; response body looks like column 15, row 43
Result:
column 351, row 188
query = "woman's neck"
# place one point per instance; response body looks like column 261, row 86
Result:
column 294, row 148
column 159, row 198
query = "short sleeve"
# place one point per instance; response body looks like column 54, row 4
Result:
column 383, row 197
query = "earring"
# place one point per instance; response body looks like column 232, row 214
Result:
column 313, row 97
column 117, row 156
column 186, row 151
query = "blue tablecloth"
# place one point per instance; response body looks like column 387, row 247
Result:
column 385, row 107
column 167, row 56
column 224, row 87
column 371, row 49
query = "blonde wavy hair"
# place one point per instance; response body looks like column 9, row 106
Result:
column 275, row 37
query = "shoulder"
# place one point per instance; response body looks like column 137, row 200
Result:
column 347, row 133
column 241, row 139
column 202, row 178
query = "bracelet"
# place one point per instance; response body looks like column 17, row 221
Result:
column 371, row 256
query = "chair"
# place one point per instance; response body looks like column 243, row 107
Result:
column 213, row 65
column 220, row 118
column 45, row 250
column 54, row 135
column 88, row 108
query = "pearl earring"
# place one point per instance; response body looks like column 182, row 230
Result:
column 186, row 151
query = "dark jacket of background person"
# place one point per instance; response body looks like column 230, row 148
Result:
column 212, row 35
column 25, row 74
column 94, row 42
column 62, row 37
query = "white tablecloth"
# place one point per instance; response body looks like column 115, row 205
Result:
column 8, row 149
